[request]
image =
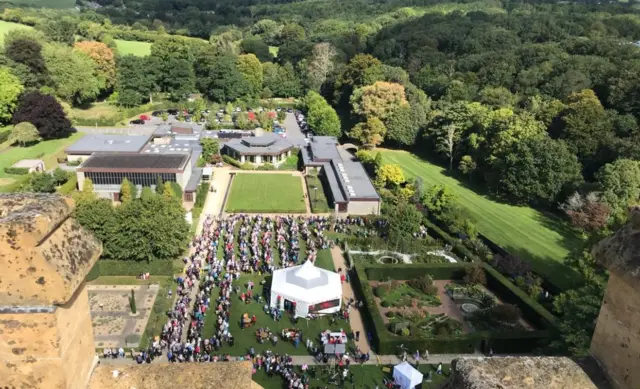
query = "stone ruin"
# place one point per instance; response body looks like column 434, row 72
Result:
column 46, row 339
column 517, row 373
column 616, row 340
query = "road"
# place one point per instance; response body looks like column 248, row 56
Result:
column 294, row 133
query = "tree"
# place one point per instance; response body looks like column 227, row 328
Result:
column 99, row 217
column 321, row 64
column 125, row 191
column 60, row 30
column 402, row 127
column 167, row 192
column 171, row 48
column 164, row 116
column 135, row 82
column 9, row 93
column 265, row 120
column 147, row 194
column 537, row 169
column 292, row 32
column 281, row 81
column 467, row 165
column 322, row 118
column 619, row 183
column 378, row 100
column 363, row 69
column 587, row 212
column 86, row 195
column 103, row 59
column 41, row 182
column 178, row 79
column 370, row 133
column 44, row 112
column 210, row 147
column 219, row 79
column 60, row 176
column 389, row 175
column 403, row 220
column 578, row 310
column 439, row 199
column 447, row 139
column 159, row 185
column 251, row 69
column 24, row 133
column 255, row 45
column 27, row 50
column 268, row 30
column 72, row 73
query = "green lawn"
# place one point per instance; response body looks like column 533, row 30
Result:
column 47, row 150
column 269, row 193
column 318, row 200
column 5, row 27
column 543, row 240
column 245, row 338
column 364, row 377
column 140, row 49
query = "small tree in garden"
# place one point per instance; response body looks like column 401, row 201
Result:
column 24, row 133
column 132, row 302
column 475, row 275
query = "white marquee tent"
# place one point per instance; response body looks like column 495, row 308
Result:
column 312, row 289
column 406, row 376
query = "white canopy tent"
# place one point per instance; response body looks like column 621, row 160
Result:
column 406, row 376
column 312, row 289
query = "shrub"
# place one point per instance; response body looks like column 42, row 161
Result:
column 475, row 275
column 132, row 302
column 74, row 163
column 511, row 265
column 382, row 290
column 385, row 304
column 227, row 159
column 505, row 313
column 19, row 171
column 247, row 166
column 405, row 332
column 423, row 284
column 390, row 314
column 266, row 166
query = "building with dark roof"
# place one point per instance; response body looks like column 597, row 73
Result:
column 107, row 171
column 264, row 147
column 347, row 184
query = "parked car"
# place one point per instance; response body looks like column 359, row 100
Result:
column 145, row 117
column 187, row 119
column 157, row 113
column 137, row 121
column 172, row 111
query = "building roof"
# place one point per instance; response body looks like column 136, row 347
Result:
column 306, row 283
column 28, row 163
column 347, row 178
column 517, row 373
column 267, row 144
column 179, row 129
column 194, row 180
column 94, row 143
column 135, row 162
column 222, row 375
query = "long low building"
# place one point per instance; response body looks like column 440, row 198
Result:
column 349, row 188
column 102, row 143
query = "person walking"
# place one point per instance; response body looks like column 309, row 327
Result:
column 417, row 357
column 439, row 369
column 426, row 355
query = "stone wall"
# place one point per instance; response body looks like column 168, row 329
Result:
column 616, row 340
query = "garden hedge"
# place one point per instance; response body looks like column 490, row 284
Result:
column 385, row 342
column 129, row 268
column 19, row 171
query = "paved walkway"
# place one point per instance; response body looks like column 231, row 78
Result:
column 215, row 200
column 355, row 319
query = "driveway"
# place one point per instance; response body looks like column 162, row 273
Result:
column 294, row 133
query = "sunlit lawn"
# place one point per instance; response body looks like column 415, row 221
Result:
column 269, row 193
column 541, row 239
column 5, row 27
column 140, row 49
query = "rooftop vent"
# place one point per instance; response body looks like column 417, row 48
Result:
column 127, row 141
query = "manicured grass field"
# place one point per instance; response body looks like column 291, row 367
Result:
column 317, row 198
column 245, row 338
column 140, row 49
column 543, row 240
column 364, row 377
column 268, row 193
column 5, row 27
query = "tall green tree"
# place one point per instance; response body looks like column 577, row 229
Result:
column 370, row 133
column 135, row 82
column 9, row 93
column 322, row 118
column 619, row 183
column 251, row 69
column 219, row 79
column 72, row 72
column 24, row 133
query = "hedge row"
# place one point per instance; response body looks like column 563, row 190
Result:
column 457, row 247
column 385, row 342
column 19, row 171
column 68, row 186
column 129, row 268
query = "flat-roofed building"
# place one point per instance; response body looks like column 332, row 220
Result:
column 101, row 143
column 107, row 170
column 348, row 186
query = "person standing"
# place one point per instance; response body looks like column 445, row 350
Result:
column 439, row 369
column 417, row 357
column 426, row 354
column 357, row 336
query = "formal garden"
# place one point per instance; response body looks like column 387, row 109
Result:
column 265, row 193
column 447, row 308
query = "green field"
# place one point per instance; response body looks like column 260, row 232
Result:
column 47, row 150
column 57, row 4
column 543, row 240
column 5, row 27
column 268, row 193
column 140, row 49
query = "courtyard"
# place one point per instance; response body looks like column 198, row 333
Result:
column 266, row 193
column 114, row 324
